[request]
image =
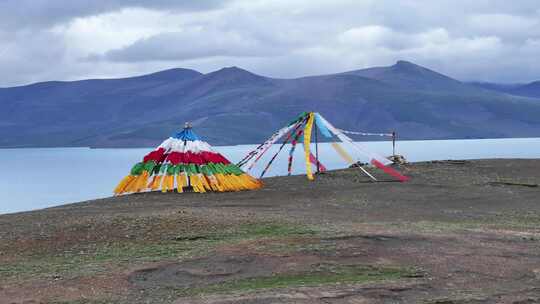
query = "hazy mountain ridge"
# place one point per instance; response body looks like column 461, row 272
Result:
column 527, row 90
column 232, row 106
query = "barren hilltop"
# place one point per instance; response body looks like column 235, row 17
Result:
column 459, row 232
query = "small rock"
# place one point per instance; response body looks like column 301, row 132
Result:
column 56, row 277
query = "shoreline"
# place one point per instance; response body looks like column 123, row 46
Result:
column 255, row 144
column 277, row 176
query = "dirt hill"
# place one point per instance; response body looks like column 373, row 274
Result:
column 459, row 232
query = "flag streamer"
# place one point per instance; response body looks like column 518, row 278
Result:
column 297, row 126
column 260, row 152
column 314, row 161
column 291, row 152
column 341, row 152
column 295, row 131
column 307, row 143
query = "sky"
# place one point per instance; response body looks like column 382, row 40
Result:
column 483, row 40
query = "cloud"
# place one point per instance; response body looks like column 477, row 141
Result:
column 193, row 44
column 491, row 40
column 17, row 14
column 367, row 36
column 504, row 25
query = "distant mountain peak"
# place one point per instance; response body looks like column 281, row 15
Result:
column 405, row 63
column 408, row 75
column 170, row 74
column 231, row 71
column 401, row 66
column 531, row 90
column 234, row 75
column 233, row 68
column 407, row 66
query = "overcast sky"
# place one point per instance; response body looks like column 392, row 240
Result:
column 488, row 40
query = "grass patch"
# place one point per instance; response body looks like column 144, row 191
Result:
column 322, row 275
column 101, row 256
column 266, row 230
column 491, row 222
column 71, row 264
column 525, row 221
column 251, row 231
column 84, row 301
column 298, row 245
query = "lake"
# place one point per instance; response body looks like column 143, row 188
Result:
column 39, row 178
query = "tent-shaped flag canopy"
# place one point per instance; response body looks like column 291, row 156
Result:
column 300, row 130
column 182, row 162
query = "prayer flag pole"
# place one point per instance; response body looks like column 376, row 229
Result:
column 316, row 146
column 394, row 143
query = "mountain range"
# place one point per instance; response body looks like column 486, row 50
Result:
column 235, row 106
column 528, row 89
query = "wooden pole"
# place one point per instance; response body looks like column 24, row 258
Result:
column 188, row 186
column 394, row 143
column 187, row 125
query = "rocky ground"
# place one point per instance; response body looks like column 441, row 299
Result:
column 459, row 232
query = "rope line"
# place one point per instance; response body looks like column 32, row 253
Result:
column 298, row 125
column 366, row 133
column 256, row 154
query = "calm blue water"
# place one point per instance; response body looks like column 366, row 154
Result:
column 39, row 178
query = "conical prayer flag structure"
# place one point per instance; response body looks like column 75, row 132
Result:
column 184, row 162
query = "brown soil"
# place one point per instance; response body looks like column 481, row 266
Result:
column 459, row 232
